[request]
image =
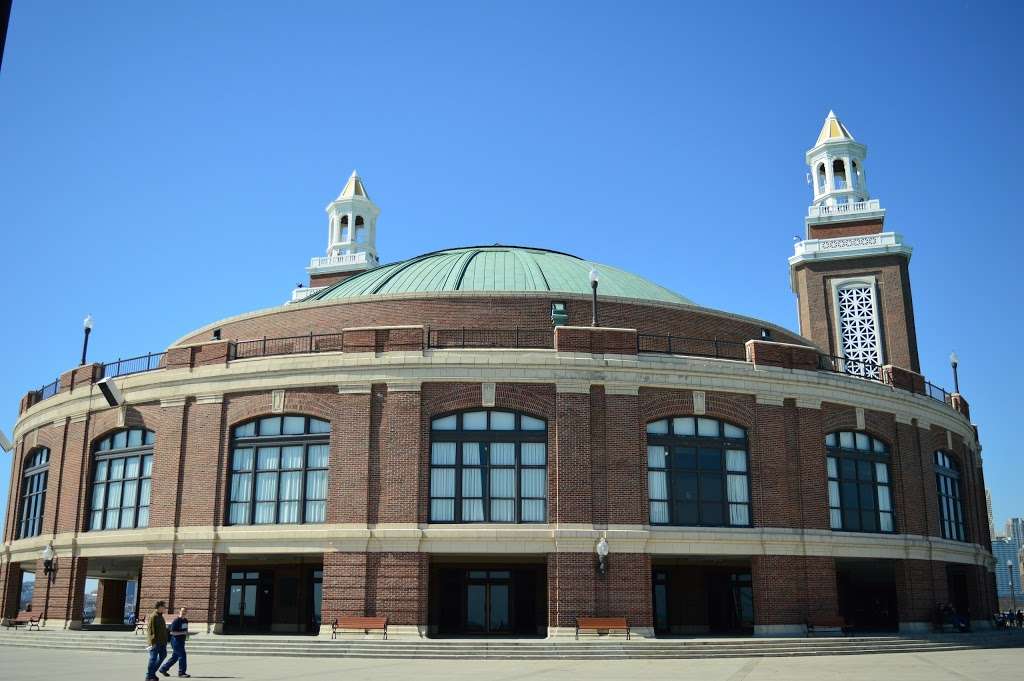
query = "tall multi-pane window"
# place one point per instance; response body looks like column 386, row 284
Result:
column 122, row 472
column 859, row 498
column 951, row 512
column 488, row 467
column 697, row 472
column 279, row 471
column 33, row 493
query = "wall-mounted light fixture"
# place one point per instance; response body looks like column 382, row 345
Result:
column 49, row 561
column 602, row 556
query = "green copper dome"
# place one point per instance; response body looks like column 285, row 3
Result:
column 496, row 269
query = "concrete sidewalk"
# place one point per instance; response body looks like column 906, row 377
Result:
column 24, row 664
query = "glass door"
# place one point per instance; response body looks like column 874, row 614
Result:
column 242, row 599
column 488, row 602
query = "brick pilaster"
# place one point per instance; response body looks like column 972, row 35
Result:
column 570, row 468
column 790, row 590
column 60, row 599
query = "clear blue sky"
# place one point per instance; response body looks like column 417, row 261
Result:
column 163, row 165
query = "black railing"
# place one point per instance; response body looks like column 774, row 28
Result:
column 873, row 372
column 938, row 393
column 853, row 367
column 289, row 345
column 133, row 365
column 49, row 390
column 503, row 338
column 694, row 347
column 491, row 338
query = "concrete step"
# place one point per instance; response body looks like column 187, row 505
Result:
column 675, row 649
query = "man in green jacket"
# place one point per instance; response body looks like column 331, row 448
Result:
column 156, row 637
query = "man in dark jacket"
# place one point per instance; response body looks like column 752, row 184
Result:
column 156, row 638
column 179, row 632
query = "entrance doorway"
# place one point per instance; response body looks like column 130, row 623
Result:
column 274, row 598
column 867, row 594
column 249, row 601
column 488, row 600
column 956, row 584
column 702, row 598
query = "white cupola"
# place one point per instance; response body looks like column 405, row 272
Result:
column 352, row 223
column 837, row 166
column 351, row 240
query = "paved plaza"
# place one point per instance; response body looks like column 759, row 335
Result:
column 26, row 664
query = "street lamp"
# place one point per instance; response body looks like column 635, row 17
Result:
column 602, row 556
column 87, row 328
column 1013, row 593
column 594, row 278
column 953, row 361
column 48, row 559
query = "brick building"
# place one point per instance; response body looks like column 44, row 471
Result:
column 446, row 440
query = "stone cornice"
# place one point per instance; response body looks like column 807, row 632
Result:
column 500, row 538
column 769, row 384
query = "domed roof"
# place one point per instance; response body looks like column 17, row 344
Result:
column 496, row 269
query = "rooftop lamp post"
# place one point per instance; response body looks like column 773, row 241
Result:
column 594, row 278
column 87, row 328
column 953, row 362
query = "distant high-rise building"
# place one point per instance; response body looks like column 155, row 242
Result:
column 1007, row 553
column 1015, row 530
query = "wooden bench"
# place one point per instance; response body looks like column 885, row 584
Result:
column 827, row 625
column 23, row 619
column 358, row 623
column 599, row 624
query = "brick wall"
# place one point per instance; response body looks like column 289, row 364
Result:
column 379, row 472
column 575, row 589
column 852, row 228
column 62, row 596
column 487, row 312
column 790, row 590
column 896, row 311
column 10, row 589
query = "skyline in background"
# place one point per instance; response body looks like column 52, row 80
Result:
column 168, row 166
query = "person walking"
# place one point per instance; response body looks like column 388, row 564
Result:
column 156, row 637
column 179, row 632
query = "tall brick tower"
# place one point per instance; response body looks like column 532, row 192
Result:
column 850, row 276
column 351, row 239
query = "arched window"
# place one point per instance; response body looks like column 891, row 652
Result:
column 951, row 512
column 488, row 467
column 122, row 472
column 279, row 471
column 858, row 483
column 822, row 178
column 839, row 173
column 343, row 229
column 697, row 472
column 33, row 493
column 855, row 175
column 360, row 234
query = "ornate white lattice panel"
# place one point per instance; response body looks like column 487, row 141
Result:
column 858, row 330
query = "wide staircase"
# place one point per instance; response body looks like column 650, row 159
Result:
column 518, row 649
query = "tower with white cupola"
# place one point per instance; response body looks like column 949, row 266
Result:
column 351, row 239
column 850, row 275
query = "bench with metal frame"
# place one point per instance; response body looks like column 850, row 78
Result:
column 599, row 624
column 23, row 619
column 359, row 623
